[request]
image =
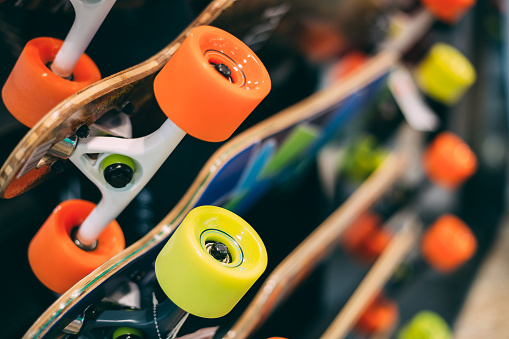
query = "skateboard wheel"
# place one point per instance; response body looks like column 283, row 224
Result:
column 449, row 11
column 380, row 316
column 374, row 244
column 449, row 161
column 445, row 74
column 363, row 158
column 426, row 325
column 127, row 333
column 196, row 281
column 348, row 65
column 448, row 244
column 32, row 89
column 56, row 261
column 359, row 230
column 205, row 102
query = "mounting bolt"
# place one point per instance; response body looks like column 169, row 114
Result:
column 83, row 131
column 118, row 175
column 223, row 70
column 57, row 166
column 118, row 170
column 219, row 251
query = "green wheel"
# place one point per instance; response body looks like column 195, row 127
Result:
column 426, row 325
column 127, row 333
column 210, row 262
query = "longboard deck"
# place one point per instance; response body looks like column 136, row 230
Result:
column 231, row 177
column 383, row 268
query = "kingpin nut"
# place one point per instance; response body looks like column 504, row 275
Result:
column 118, row 175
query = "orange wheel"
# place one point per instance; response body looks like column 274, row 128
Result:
column 448, row 244
column 359, row 230
column 381, row 315
column 348, row 65
column 199, row 95
column 449, row 161
column 449, row 11
column 56, row 261
column 374, row 244
column 32, row 89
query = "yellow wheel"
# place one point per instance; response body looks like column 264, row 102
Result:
column 445, row 74
column 210, row 262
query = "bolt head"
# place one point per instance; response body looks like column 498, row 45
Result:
column 219, row 251
column 223, row 70
column 83, row 131
column 118, row 175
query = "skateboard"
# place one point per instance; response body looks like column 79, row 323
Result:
column 234, row 177
column 225, row 73
column 440, row 168
column 437, row 247
column 338, row 229
column 126, row 94
column 376, row 278
column 119, row 168
column 299, row 264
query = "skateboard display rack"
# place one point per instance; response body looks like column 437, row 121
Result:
column 239, row 169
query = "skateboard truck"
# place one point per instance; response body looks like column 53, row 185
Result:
column 140, row 158
column 90, row 14
column 143, row 156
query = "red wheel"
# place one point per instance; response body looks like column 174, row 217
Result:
column 56, row 261
column 199, row 96
column 449, row 11
column 359, row 230
column 449, row 161
column 448, row 244
column 348, row 65
column 374, row 244
column 32, row 89
column 381, row 315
